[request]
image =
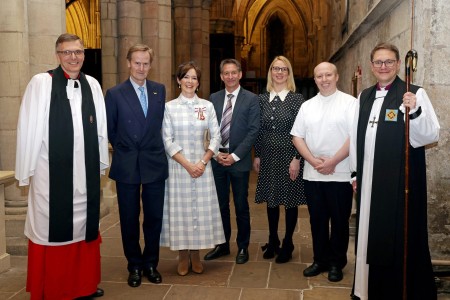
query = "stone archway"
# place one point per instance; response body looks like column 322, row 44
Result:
column 83, row 19
column 298, row 16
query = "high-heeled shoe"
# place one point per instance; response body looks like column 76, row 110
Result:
column 285, row 254
column 271, row 248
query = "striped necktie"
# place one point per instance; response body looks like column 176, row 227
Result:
column 143, row 100
column 226, row 121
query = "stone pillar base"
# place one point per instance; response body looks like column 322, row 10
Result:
column 5, row 262
column 17, row 246
column 17, row 242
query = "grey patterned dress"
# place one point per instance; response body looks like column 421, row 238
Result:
column 191, row 218
column 275, row 149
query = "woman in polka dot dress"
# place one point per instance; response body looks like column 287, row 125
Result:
column 277, row 162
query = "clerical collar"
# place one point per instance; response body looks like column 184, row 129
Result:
column 327, row 98
column 68, row 76
column 385, row 88
column 75, row 81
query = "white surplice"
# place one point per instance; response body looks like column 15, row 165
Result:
column 32, row 165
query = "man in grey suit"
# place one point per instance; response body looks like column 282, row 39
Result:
column 237, row 112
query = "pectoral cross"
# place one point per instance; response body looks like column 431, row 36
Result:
column 373, row 122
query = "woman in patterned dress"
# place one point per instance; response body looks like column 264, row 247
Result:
column 191, row 219
column 277, row 162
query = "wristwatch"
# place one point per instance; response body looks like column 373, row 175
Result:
column 203, row 162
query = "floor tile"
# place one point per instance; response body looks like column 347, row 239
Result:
column 250, row 274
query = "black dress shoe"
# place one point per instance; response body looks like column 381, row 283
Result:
column 220, row 250
column 314, row 270
column 98, row 293
column 335, row 274
column 134, row 278
column 242, row 256
column 153, row 275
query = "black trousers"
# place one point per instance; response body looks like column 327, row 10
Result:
column 329, row 203
column 223, row 177
column 129, row 198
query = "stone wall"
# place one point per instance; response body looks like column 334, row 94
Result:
column 27, row 39
column 375, row 21
column 27, row 47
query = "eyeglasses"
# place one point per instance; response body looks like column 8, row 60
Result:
column 278, row 69
column 70, row 52
column 389, row 63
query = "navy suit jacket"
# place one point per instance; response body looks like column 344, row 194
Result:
column 244, row 126
column 139, row 155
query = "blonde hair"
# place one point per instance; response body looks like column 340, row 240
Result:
column 290, row 79
column 140, row 47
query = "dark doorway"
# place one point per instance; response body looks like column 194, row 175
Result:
column 221, row 47
column 93, row 63
column 275, row 38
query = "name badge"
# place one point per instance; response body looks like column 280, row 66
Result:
column 391, row 115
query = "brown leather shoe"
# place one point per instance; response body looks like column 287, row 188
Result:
column 183, row 262
column 196, row 264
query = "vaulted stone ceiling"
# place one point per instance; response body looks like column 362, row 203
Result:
column 294, row 28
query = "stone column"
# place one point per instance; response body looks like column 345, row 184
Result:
column 191, row 40
column 27, row 47
column 129, row 32
column 109, row 43
column 205, row 58
column 182, row 31
column 46, row 21
column 157, row 33
column 5, row 263
column 14, row 76
column 238, row 44
column 319, row 37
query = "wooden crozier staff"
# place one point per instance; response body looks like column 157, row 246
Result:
column 410, row 62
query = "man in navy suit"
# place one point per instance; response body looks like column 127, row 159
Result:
column 237, row 111
column 135, row 110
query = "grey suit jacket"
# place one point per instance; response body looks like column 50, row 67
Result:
column 244, row 126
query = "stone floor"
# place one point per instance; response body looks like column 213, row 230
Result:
column 222, row 279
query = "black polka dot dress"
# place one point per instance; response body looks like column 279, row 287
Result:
column 275, row 149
